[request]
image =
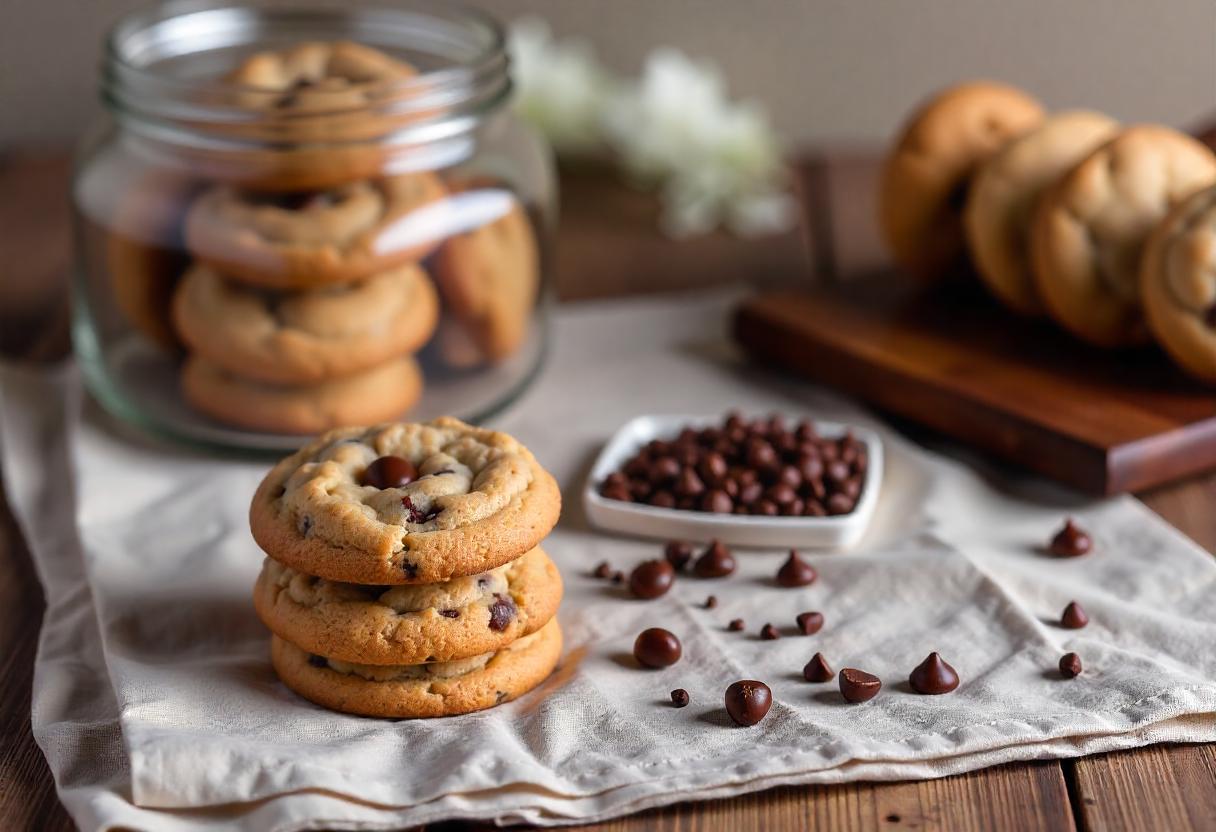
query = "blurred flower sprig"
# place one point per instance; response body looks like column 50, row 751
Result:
column 714, row 162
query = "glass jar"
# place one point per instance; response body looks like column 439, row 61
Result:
column 298, row 215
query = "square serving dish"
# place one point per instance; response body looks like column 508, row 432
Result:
column 839, row 532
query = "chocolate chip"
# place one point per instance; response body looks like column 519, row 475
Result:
column 651, row 578
column 389, row 472
column 663, row 499
column 664, row 470
column 839, row 504
column 781, row 494
column 618, row 577
column 617, row 491
column 502, row 611
column 810, row 623
column 750, row 493
column 761, row 456
column 410, row 569
column 796, row 572
column 766, row 507
column 837, row 472
column 501, row 696
column 736, row 625
column 689, row 484
column 748, row 701
column 640, row 489
column 657, row 647
column 317, row 661
column 818, row 670
column 1071, row 541
column 1074, row 617
column 715, row 562
column 415, row 514
column 769, row 633
column 933, row 676
column 711, row 602
column 717, row 502
column 304, row 525
column 678, row 554
column 679, row 698
column 1070, row 665
column 450, row 613
column 858, row 686
column 712, row 468
column 603, row 570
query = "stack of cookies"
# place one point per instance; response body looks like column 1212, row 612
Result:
column 405, row 577
column 306, row 295
column 1057, row 214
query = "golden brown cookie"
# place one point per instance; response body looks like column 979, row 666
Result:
column 145, row 254
column 422, row 690
column 322, row 112
column 1178, row 284
column 414, row 623
column 1005, row 190
column 1089, row 229
column 305, row 337
column 384, row 391
column 490, row 276
column 924, row 181
column 474, row 500
column 305, row 240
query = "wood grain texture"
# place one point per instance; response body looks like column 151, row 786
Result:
column 954, row 361
column 595, row 258
column 1155, row 788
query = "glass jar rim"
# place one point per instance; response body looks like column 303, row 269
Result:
column 474, row 80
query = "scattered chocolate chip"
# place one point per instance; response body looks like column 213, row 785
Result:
column 839, row 504
column 933, row 676
column 858, row 686
column 796, row 572
column 810, row 623
column 1071, row 541
column 453, row 614
column 1074, row 616
column 736, row 625
column 651, row 578
column 304, row 525
column 1070, row 665
column 711, row 602
column 765, row 507
column 664, row 470
column 389, row 472
column 501, row 696
column 603, row 570
column 679, row 698
column 317, row 661
column 769, row 633
column 715, row 562
column 712, row 468
column 663, row 499
column 678, row 554
column 502, row 611
column 748, row 701
column 818, row 670
column 618, row 577
column 657, row 647
column 689, row 484
column 410, row 569
column 415, row 514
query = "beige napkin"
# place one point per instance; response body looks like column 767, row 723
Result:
column 153, row 690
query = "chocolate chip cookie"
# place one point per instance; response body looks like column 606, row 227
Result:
column 385, row 391
column 404, row 503
column 1088, row 232
column 305, row 337
column 414, row 623
column 489, row 276
column 1178, row 284
column 1005, row 190
column 420, row 690
column 310, row 239
column 923, row 188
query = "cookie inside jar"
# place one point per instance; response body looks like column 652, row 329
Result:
column 292, row 230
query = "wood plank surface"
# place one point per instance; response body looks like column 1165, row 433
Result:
column 34, row 237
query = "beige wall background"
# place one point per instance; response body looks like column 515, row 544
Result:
column 827, row 71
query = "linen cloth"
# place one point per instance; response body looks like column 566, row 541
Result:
column 156, row 706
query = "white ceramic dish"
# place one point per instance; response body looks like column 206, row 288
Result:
column 838, row 532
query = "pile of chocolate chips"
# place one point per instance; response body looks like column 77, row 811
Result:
column 761, row 467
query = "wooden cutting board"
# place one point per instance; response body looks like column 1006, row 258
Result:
column 951, row 359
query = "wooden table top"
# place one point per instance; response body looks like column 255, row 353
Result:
column 608, row 247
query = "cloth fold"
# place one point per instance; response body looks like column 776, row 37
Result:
column 156, row 706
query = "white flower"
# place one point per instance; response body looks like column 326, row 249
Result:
column 717, row 161
column 560, row 88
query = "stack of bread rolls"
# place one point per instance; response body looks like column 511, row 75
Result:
column 1108, row 229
